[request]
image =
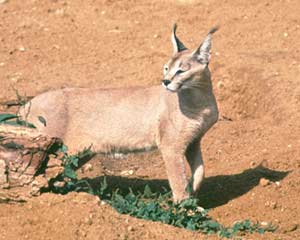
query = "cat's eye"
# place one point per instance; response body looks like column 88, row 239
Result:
column 166, row 69
column 179, row 71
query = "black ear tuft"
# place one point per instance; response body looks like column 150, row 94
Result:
column 178, row 46
column 214, row 29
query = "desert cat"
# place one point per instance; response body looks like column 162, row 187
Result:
column 173, row 118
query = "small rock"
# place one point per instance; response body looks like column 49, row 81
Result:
column 118, row 155
column 88, row 167
column 285, row 34
column 108, row 172
column 2, row 64
column 264, row 150
column 264, row 182
column 88, row 221
column 60, row 12
column 21, row 49
column 273, row 205
column 155, row 36
column 220, row 84
column 59, row 184
column 277, row 183
column 264, row 224
column 130, row 228
column 3, row 1
column 127, row 172
column 97, row 201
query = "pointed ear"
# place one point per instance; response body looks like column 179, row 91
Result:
column 202, row 54
column 177, row 44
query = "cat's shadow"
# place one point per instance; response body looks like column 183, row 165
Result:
column 215, row 191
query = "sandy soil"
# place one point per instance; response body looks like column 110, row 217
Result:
column 103, row 43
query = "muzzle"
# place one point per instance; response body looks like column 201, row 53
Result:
column 166, row 82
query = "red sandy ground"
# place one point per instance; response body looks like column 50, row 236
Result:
column 255, row 67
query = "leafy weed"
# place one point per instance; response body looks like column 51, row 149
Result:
column 153, row 206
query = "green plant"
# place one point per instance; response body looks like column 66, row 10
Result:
column 70, row 164
column 159, row 207
column 152, row 206
column 13, row 119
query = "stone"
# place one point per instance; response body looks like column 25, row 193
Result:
column 59, row 184
column 54, row 162
column 264, row 182
column 88, row 167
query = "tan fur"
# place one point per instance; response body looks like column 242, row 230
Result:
column 174, row 120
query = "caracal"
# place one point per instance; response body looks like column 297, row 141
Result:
column 173, row 117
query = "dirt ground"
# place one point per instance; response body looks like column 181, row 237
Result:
column 255, row 68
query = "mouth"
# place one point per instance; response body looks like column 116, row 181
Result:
column 172, row 90
column 169, row 88
column 164, row 85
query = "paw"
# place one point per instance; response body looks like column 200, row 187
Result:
column 177, row 198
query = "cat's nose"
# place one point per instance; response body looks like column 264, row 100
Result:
column 166, row 82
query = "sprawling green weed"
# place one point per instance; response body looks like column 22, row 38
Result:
column 13, row 119
column 153, row 206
